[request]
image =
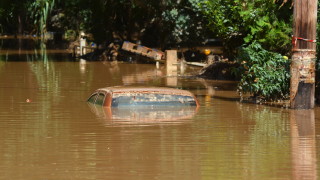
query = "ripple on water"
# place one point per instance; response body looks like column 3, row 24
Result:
column 56, row 135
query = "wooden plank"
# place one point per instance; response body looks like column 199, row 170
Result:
column 143, row 50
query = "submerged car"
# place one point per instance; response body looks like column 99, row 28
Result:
column 122, row 96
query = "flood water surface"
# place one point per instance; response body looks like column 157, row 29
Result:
column 48, row 131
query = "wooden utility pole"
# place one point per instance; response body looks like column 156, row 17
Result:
column 303, row 54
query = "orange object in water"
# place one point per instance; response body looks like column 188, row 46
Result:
column 207, row 52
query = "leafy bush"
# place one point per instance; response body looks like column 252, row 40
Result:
column 263, row 73
column 238, row 21
column 40, row 11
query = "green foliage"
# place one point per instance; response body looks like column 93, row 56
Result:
column 70, row 35
column 12, row 15
column 263, row 73
column 186, row 20
column 40, row 10
column 318, row 57
column 234, row 21
column 2, row 12
column 269, row 31
column 106, row 19
column 242, row 21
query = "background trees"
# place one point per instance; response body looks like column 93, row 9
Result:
column 13, row 16
column 155, row 22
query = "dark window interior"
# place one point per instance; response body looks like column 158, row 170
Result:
column 100, row 99
column 93, row 98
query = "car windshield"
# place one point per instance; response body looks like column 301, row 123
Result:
column 152, row 99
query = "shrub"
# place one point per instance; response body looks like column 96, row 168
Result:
column 263, row 73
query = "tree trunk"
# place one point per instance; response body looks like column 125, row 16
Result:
column 303, row 54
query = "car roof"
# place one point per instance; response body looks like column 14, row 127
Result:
column 153, row 90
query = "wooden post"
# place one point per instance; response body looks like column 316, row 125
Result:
column 171, row 66
column 171, row 62
column 303, row 54
column 82, row 44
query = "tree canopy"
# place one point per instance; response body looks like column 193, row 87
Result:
column 156, row 22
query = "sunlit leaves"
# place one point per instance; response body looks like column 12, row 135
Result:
column 263, row 73
column 40, row 10
column 259, row 20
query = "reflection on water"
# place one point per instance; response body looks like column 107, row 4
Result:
column 56, row 135
column 303, row 142
column 143, row 115
column 26, row 48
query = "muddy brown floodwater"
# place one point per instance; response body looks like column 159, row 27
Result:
column 48, row 131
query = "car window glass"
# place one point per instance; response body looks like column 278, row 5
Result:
column 100, row 99
column 153, row 99
column 92, row 98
